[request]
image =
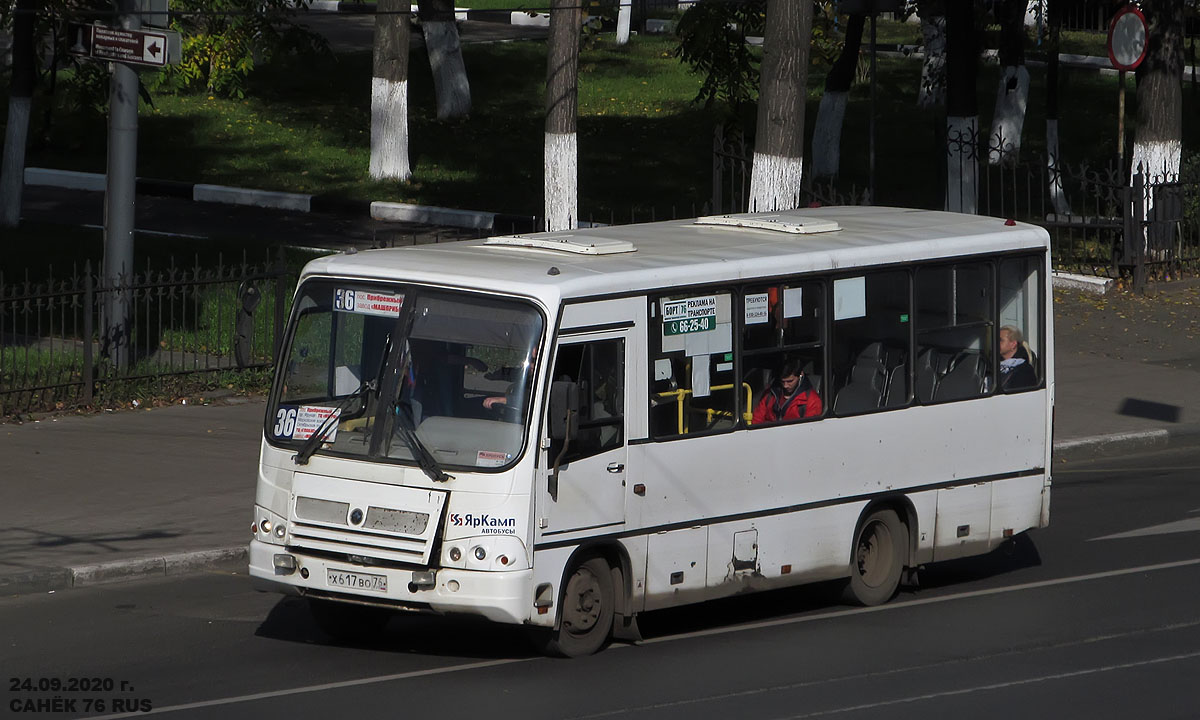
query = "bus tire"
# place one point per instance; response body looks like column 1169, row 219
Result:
column 345, row 622
column 586, row 616
column 878, row 559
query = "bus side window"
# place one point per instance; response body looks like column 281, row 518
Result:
column 1020, row 284
column 782, row 327
column 598, row 368
column 954, row 331
column 870, row 353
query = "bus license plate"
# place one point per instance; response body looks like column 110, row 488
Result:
column 357, row 581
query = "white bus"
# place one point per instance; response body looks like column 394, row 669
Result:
column 563, row 430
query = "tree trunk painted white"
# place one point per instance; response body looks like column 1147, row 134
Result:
column 933, row 67
column 1158, row 160
column 1012, row 97
column 389, row 130
column 1054, row 168
column 827, row 134
column 450, row 85
column 562, row 181
column 779, row 138
column 623, row 21
column 12, row 173
column 775, row 182
column 962, row 165
column 389, row 92
column 561, row 176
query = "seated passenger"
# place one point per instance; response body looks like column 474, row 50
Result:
column 1016, row 367
column 790, row 397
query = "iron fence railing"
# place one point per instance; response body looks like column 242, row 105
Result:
column 182, row 321
column 1101, row 221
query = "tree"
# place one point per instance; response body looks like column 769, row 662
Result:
column 1054, row 167
column 450, row 84
column 779, row 137
column 20, row 102
column 962, row 114
column 827, row 132
column 1158, row 143
column 712, row 40
column 933, row 66
column 389, row 92
column 561, row 177
column 1012, row 96
column 223, row 41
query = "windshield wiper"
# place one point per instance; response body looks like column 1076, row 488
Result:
column 408, row 433
column 401, row 411
column 314, row 441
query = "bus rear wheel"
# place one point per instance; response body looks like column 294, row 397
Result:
column 587, row 611
column 880, row 549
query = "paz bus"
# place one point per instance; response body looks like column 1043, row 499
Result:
column 558, row 430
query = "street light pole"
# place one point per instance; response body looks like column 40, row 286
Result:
column 119, row 197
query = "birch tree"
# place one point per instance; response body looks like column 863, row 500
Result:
column 20, row 102
column 962, row 113
column 450, row 84
column 561, row 176
column 1012, row 96
column 827, row 133
column 777, row 171
column 389, row 92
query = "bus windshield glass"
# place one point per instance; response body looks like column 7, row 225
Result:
column 369, row 366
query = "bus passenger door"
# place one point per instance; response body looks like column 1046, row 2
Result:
column 589, row 491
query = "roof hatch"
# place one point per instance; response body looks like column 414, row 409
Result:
column 565, row 243
column 778, row 223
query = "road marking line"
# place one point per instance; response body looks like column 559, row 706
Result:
column 859, row 677
column 926, row 601
column 701, row 633
column 1000, row 686
column 318, row 688
column 1177, row 526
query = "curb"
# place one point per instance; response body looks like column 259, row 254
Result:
column 1087, row 448
column 294, row 202
column 172, row 565
column 1084, row 283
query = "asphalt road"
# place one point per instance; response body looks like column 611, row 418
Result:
column 1096, row 616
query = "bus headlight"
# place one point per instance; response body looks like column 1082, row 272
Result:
column 269, row 527
column 488, row 552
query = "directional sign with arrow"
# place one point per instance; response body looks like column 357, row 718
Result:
column 136, row 47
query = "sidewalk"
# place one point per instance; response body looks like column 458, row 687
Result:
column 139, row 493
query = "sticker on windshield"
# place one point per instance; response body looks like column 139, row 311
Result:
column 365, row 302
column 490, row 458
column 300, row 422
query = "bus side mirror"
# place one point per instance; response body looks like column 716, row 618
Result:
column 564, row 410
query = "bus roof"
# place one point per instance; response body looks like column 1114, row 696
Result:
column 686, row 252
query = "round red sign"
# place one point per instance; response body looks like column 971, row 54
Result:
column 1127, row 36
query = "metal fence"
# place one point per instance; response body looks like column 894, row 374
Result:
column 184, row 323
column 1101, row 222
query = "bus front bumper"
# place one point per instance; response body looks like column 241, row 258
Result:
column 498, row 596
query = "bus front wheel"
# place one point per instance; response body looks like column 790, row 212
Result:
column 587, row 611
column 879, row 553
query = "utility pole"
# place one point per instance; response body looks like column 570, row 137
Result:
column 119, row 196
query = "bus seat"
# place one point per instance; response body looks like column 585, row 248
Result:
column 897, row 387
column 928, row 374
column 963, row 381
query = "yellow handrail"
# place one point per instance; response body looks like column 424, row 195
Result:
column 710, row 413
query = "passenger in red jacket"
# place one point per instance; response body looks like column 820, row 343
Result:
column 790, row 397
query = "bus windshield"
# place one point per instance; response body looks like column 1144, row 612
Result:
column 406, row 374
